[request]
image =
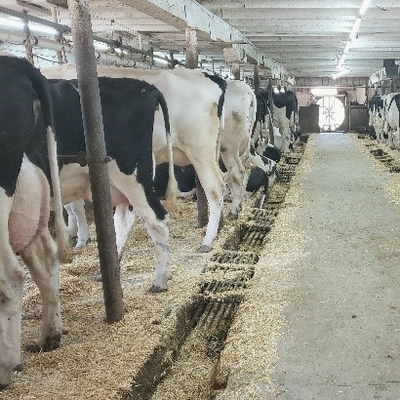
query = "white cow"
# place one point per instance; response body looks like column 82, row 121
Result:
column 240, row 114
column 25, row 202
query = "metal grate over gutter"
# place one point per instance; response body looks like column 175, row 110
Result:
column 203, row 324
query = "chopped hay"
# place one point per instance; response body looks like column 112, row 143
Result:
column 99, row 361
column 392, row 183
column 250, row 352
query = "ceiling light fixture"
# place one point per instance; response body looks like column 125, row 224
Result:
column 341, row 61
column 354, row 31
column 353, row 36
column 347, row 47
column 364, row 7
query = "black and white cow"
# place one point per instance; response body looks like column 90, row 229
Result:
column 391, row 116
column 195, row 103
column 262, row 118
column 375, row 122
column 185, row 177
column 29, row 187
column 272, row 152
column 128, row 110
column 284, row 107
column 262, row 175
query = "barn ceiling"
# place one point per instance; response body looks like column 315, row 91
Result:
column 305, row 38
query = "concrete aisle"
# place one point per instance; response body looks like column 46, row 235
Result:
column 342, row 339
column 321, row 319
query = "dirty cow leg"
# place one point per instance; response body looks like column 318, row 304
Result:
column 77, row 223
column 236, row 177
column 144, row 206
column 41, row 259
column 11, row 284
column 213, row 185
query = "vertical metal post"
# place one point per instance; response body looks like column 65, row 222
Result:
column 93, row 125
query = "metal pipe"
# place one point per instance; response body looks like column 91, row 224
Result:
column 26, row 17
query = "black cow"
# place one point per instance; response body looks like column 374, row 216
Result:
column 128, row 110
column 28, row 177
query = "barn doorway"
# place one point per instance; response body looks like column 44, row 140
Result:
column 331, row 113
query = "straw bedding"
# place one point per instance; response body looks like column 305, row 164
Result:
column 98, row 361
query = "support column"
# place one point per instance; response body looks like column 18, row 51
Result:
column 192, row 62
column 271, row 113
column 27, row 43
column 86, row 69
column 235, row 71
column 192, row 57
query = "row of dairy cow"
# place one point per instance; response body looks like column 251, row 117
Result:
column 183, row 117
column 384, row 119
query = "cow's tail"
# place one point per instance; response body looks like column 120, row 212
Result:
column 61, row 233
column 43, row 92
column 171, row 194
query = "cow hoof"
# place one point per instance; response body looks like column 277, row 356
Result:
column 79, row 248
column 204, row 249
column 33, row 348
column 49, row 344
column 18, row 368
column 232, row 216
column 156, row 289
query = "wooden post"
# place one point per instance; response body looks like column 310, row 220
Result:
column 256, row 80
column 27, row 43
column 61, row 53
column 95, row 146
column 235, row 71
column 271, row 113
column 192, row 57
column 192, row 62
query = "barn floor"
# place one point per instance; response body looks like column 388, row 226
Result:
column 298, row 300
column 331, row 271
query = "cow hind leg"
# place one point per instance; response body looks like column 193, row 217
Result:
column 41, row 259
column 77, row 223
column 156, row 228
column 236, row 176
column 11, row 285
column 213, row 185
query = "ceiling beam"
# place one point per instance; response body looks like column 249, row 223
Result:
column 188, row 13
